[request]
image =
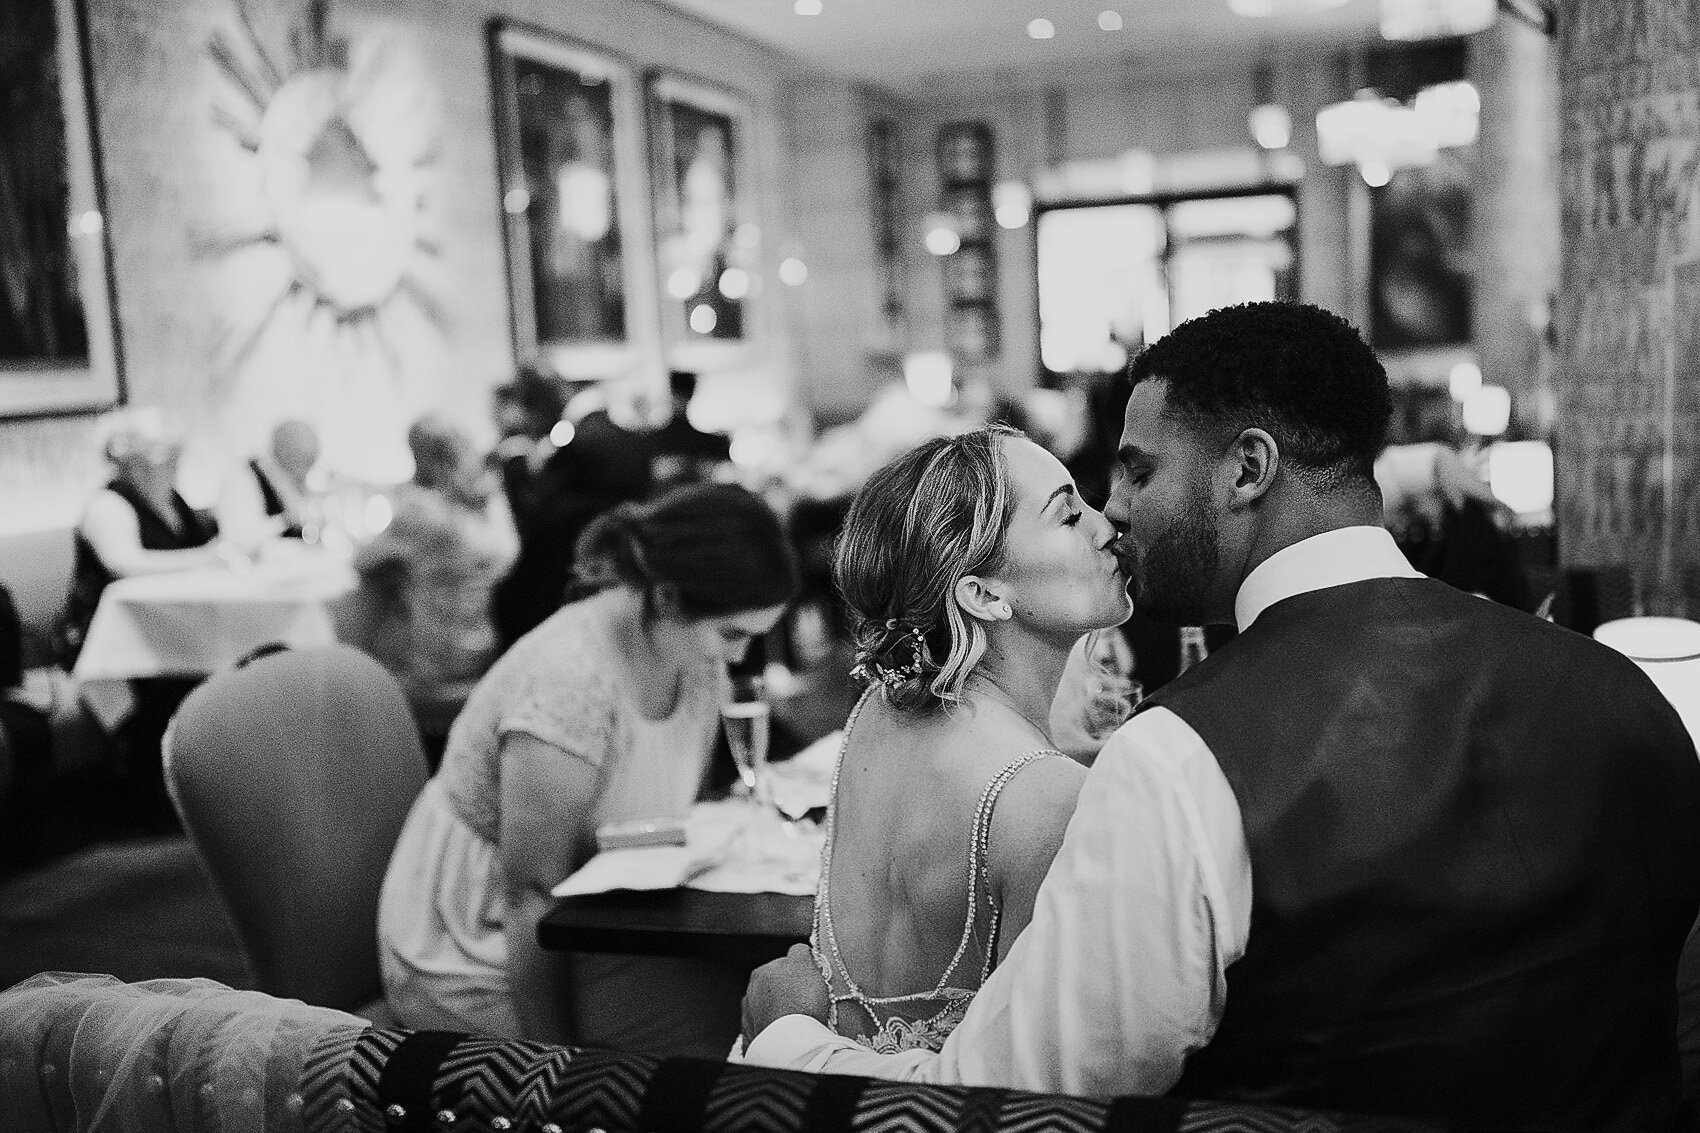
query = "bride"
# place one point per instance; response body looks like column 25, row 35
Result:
column 971, row 568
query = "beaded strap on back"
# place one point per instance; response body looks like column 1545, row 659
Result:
column 979, row 881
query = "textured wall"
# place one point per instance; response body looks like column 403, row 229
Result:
column 1629, row 309
column 219, row 324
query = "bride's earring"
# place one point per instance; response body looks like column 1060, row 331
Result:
column 1004, row 610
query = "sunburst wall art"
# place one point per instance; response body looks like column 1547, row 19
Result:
column 334, row 142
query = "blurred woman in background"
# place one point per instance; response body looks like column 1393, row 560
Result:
column 606, row 712
column 137, row 524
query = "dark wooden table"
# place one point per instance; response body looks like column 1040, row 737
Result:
column 740, row 928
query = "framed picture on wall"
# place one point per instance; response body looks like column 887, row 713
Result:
column 59, row 350
column 707, row 245
column 573, row 198
column 1420, row 257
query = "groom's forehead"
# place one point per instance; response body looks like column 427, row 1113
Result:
column 1147, row 426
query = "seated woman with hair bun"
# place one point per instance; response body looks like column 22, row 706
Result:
column 971, row 569
column 606, row 712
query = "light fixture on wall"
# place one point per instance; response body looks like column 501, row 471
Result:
column 1487, row 411
column 1521, row 476
column 941, row 233
column 1012, row 204
column 1464, row 379
column 1434, row 19
column 929, row 376
column 1270, row 124
column 1383, row 135
column 793, row 271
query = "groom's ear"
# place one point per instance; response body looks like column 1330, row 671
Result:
column 979, row 600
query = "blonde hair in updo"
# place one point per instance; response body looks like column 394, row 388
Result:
column 922, row 522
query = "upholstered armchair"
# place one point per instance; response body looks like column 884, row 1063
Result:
column 88, row 1053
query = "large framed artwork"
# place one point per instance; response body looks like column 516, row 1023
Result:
column 1420, row 256
column 707, row 244
column 573, row 198
column 58, row 345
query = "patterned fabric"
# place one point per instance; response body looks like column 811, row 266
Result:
column 485, row 1084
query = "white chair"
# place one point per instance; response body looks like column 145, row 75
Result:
column 293, row 776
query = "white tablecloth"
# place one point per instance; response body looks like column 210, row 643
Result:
column 191, row 623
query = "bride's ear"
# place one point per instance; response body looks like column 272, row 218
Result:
column 979, row 600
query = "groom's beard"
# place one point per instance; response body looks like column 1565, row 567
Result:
column 1170, row 580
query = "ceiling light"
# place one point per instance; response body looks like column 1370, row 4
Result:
column 1375, row 173
column 1110, row 21
column 1041, row 28
column 807, row 7
column 703, row 318
column 792, row 271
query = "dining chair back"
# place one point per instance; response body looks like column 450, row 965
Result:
column 293, row 775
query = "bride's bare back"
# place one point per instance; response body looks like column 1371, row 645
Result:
column 897, row 893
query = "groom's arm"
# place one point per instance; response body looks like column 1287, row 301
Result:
column 1121, row 973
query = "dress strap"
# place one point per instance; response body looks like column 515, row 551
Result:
column 980, row 856
column 824, row 944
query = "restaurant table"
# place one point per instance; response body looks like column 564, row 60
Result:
column 195, row 622
column 744, row 928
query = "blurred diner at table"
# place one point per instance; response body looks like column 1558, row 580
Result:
column 137, row 524
column 606, row 712
column 270, row 495
column 422, row 605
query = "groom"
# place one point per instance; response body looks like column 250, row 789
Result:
column 1395, row 849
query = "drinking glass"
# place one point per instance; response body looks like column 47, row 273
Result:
column 1115, row 692
column 747, row 718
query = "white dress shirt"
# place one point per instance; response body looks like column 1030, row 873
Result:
column 1123, row 970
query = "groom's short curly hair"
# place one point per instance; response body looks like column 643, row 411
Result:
column 1299, row 372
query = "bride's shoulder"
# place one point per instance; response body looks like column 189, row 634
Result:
column 1033, row 809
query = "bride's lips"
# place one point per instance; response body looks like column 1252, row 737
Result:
column 1125, row 554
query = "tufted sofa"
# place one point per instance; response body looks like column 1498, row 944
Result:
column 81, row 1053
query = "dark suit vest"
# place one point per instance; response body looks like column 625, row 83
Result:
column 1475, row 854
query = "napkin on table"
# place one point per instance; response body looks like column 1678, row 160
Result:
column 730, row 847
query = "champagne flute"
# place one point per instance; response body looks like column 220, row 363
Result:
column 747, row 720
column 1115, row 692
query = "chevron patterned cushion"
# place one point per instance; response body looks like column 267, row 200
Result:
column 434, row 1081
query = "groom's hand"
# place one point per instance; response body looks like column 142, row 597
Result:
column 790, row 986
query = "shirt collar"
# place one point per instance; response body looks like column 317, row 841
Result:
column 1333, row 558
